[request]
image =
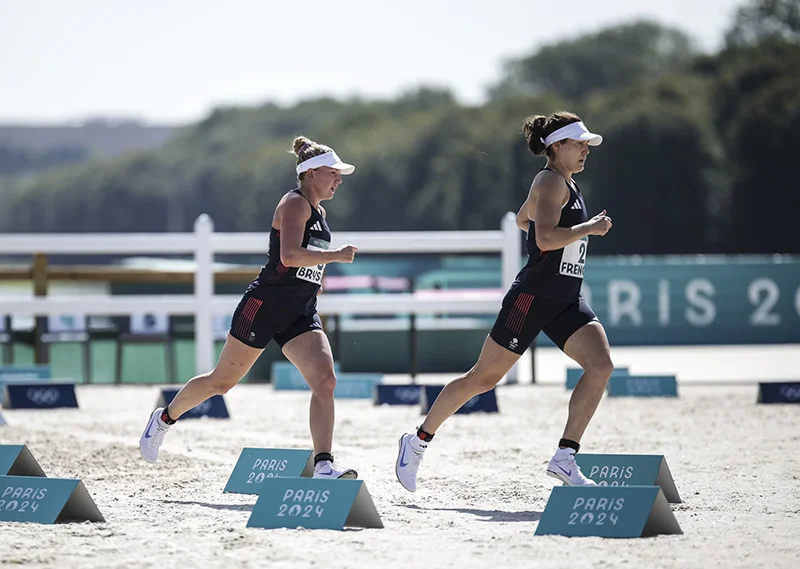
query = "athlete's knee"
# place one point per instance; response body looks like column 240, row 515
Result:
column 220, row 383
column 324, row 385
column 481, row 380
column 600, row 366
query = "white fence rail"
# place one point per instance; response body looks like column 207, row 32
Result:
column 203, row 244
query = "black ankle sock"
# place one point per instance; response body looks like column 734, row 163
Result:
column 424, row 435
column 322, row 456
column 566, row 443
column 166, row 418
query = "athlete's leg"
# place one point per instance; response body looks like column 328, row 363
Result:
column 250, row 323
column 579, row 335
column 233, row 364
column 518, row 323
column 311, row 353
column 493, row 363
column 307, row 347
column 588, row 346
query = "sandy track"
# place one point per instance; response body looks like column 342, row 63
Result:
column 482, row 485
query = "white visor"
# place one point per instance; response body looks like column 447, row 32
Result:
column 329, row 159
column 574, row 131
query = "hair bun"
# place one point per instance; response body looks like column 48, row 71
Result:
column 533, row 130
column 300, row 144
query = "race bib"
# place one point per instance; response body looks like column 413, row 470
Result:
column 313, row 274
column 573, row 259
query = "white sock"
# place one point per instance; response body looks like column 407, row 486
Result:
column 418, row 444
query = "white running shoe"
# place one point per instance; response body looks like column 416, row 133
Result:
column 331, row 470
column 153, row 436
column 409, row 456
column 564, row 467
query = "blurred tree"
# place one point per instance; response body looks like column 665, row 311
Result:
column 653, row 173
column 757, row 112
column 691, row 145
column 762, row 20
column 18, row 161
column 608, row 59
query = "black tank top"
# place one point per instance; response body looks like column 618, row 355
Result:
column 557, row 274
column 298, row 286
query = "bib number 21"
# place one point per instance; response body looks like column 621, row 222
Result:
column 573, row 259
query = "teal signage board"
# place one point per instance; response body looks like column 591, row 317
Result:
column 696, row 300
column 356, row 385
column 574, row 375
column 26, row 374
column 285, row 376
column 629, row 470
column 642, row 386
column 257, row 464
column 314, row 503
column 45, row 500
column 607, row 511
column 17, row 460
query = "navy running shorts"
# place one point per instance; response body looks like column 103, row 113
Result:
column 261, row 318
column 524, row 315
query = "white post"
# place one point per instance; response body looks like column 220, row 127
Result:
column 203, row 294
column 511, row 256
column 512, row 249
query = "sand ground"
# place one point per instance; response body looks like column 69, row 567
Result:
column 482, row 484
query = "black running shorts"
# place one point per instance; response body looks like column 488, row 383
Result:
column 260, row 318
column 524, row 315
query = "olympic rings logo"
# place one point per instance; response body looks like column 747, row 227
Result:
column 203, row 408
column 43, row 396
column 407, row 394
column 791, row 393
column 472, row 402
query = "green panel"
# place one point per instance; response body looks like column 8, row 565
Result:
column 695, row 300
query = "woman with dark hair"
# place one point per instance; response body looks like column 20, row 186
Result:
column 545, row 296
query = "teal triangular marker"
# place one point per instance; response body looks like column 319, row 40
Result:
column 17, row 460
column 258, row 464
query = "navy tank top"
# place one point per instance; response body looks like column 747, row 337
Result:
column 557, row 274
column 297, row 286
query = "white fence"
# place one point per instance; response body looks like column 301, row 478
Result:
column 203, row 243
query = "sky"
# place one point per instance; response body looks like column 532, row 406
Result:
column 173, row 61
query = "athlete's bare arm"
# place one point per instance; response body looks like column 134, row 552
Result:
column 548, row 195
column 290, row 219
column 522, row 215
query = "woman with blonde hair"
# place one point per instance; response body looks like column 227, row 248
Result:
column 280, row 304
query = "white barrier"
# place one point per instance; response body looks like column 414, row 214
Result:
column 203, row 243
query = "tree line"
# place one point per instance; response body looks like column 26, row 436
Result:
column 698, row 156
